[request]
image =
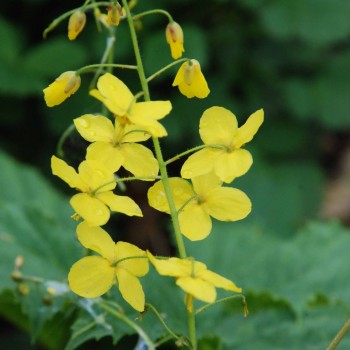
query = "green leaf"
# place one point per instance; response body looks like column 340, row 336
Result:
column 35, row 224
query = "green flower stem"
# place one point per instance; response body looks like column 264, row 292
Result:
column 204, row 307
column 152, row 12
column 123, row 179
column 340, row 335
column 159, row 155
column 65, row 15
column 194, row 149
column 178, row 156
column 107, row 57
column 150, row 306
column 130, row 323
column 92, row 67
column 172, row 64
column 129, row 258
column 192, row 327
column 64, row 136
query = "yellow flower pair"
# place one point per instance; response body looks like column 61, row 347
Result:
column 123, row 263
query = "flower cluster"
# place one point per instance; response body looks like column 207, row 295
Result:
column 193, row 199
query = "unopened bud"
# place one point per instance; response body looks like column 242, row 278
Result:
column 76, row 24
column 16, row 276
column 175, row 38
column 114, row 13
column 19, row 261
column 23, row 288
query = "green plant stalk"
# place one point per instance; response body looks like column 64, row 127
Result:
column 171, row 333
column 191, row 317
column 160, row 71
column 162, row 167
column 340, row 335
column 159, row 155
column 133, row 325
column 92, row 67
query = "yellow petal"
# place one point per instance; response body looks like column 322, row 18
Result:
column 146, row 115
column 234, row 164
column 227, row 204
column 67, row 173
column 95, row 128
column 121, row 204
column 92, row 210
column 195, row 223
column 139, row 160
column 90, row 277
column 96, row 175
column 137, row 266
column 173, row 267
column 200, row 289
column 131, row 289
column 110, row 156
column 182, row 191
column 218, row 281
column 116, row 95
column 149, row 110
column 218, row 126
column 205, row 183
column 200, row 163
column 247, row 131
column 179, row 77
column 96, row 239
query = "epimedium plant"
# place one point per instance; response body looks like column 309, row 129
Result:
column 191, row 199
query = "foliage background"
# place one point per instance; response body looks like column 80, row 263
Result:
column 290, row 57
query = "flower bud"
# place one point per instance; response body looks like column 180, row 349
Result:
column 175, row 38
column 76, row 24
column 114, row 13
column 63, row 87
column 191, row 81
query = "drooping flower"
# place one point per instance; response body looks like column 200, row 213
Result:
column 122, row 262
column 114, row 13
column 175, row 38
column 63, row 87
column 116, row 145
column 191, row 81
column 96, row 184
column 196, row 204
column 193, row 277
column 76, row 24
column 117, row 97
column 218, row 129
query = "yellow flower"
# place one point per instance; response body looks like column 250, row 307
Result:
column 191, row 81
column 114, row 13
column 63, row 87
column 193, row 277
column 116, row 145
column 93, row 275
column 175, row 38
column 96, row 183
column 218, row 128
column 196, row 204
column 116, row 96
column 76, row 24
